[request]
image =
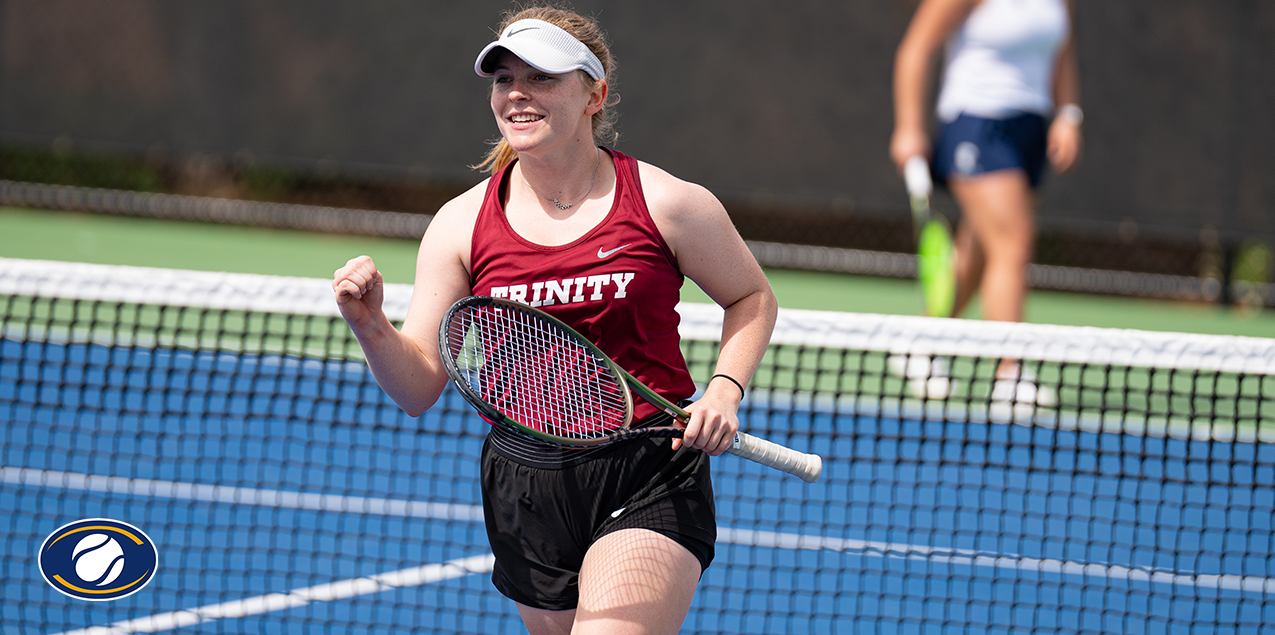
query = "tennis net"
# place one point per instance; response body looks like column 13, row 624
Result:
column 1105, row 481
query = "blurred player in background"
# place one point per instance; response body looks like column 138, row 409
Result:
column 1009, row 102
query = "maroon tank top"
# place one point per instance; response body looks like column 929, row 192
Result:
column 618, row 284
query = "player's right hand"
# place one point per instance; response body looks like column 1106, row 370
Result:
column 359, row 291
column 906, row 143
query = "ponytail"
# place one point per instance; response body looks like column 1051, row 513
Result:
column 497, row 158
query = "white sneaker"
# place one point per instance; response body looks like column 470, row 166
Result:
column 928, row 378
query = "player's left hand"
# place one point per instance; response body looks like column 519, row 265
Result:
column 714, row 420
column 1063, row 145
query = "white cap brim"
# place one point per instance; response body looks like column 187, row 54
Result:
column 543, row 46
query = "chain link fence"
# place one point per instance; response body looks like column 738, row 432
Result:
column 297, row 110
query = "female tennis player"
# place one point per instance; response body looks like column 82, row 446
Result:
column 611, row 539
column 1008, row 102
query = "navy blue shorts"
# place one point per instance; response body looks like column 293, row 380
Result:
column 969, row 146
column 541, row 520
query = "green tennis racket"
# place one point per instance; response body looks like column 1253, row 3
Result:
column 529, row 372
column 934, row 267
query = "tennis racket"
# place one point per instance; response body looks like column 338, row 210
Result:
column 526, row 370
column 933, row 242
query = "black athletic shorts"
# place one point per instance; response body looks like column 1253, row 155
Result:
column 542, row 519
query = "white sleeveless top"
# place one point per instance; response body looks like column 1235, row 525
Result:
column 1001, row 61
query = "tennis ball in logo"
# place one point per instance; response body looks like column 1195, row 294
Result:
column 98, row 558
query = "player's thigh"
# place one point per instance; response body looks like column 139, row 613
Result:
column 636, row 581
column 545, row 622
column 998, row 206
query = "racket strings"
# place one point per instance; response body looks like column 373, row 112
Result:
column 533, row 373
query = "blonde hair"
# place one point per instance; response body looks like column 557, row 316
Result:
column 590, row 34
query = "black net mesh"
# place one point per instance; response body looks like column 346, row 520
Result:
column 978, row 478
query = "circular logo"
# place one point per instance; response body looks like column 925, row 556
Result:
column 98, row 559
column 966, row 157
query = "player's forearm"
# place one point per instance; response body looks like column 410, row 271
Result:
column 1066, row 86
column 1067, row 78
column 401, row 368
column 746, row 328
column 911, row 76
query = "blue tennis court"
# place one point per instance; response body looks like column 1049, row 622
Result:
column 283, row 491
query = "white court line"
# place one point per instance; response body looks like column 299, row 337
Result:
column 426, row 574
column 238, row 495
column 340, row 590
column 483, row 564
column 968, row 557
column 725, row 535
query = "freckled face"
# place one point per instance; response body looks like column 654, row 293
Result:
column 534, row 108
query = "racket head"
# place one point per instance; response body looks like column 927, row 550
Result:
column 935, row 267
column 528, row 371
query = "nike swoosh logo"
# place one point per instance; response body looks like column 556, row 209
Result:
column 604, row 254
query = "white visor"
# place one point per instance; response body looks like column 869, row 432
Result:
column 546, row 47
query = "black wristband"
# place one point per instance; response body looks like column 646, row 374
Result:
column 732, row 380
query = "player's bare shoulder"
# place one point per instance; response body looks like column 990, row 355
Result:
column 453, row 223
column 675, row 201
column 462, row 210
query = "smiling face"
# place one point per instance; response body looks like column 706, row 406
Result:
column 536, row 110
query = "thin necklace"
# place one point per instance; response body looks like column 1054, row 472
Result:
column 568, row 205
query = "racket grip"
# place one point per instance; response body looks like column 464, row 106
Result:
column 807, row 467
column 916, row 174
